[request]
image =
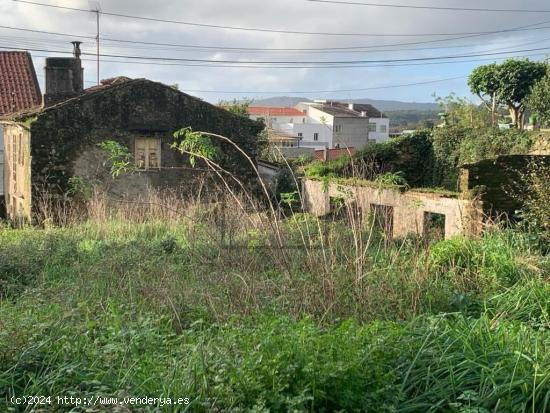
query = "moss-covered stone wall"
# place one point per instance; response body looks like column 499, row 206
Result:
column 64, row 135
column 499, row 182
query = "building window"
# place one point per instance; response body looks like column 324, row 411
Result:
column 291, row 120
column 372, row 127
column 147, row 153
column 337, row 128
column 383, row 128
column 316, row 136
column 300, row 135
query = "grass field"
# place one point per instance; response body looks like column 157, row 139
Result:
column 302, row 315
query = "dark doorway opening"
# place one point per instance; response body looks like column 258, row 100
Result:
column 434, row 226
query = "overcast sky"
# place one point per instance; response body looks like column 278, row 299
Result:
column 292, row 15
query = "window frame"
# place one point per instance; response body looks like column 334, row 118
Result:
column 148, row 144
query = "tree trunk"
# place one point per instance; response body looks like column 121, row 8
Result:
column 493, row 109
column 515, row 115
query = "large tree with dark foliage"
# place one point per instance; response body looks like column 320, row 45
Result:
column 539, row 100
column 508, row 83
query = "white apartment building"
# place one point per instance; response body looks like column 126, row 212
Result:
column 350, row 125
column 327, row 124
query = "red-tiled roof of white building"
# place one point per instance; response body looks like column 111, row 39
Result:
column 273, row 111
column 19, row 88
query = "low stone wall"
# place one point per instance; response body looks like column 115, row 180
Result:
column 410, row 209
column 497, row 180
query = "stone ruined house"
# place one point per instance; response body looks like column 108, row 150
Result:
column 19, row 90
column 490, row 190
column 48, row 146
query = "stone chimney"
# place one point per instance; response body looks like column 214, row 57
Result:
column 64, row 77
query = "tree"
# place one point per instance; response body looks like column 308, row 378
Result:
column 484, row 82
column 508, row 83
column 460, row 111
column 236, row 107
column 539, row 100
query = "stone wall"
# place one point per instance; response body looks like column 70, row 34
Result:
column 65, row 136
column 17, row 171
column 495, row 181
column 410, row 209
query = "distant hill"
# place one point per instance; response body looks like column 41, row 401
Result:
column 383, row 105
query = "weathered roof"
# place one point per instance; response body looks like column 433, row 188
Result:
column 281, row 136
column 342, row 110
column 105, row 83
column 97, row 92
column 19, row 88
column 274, row 111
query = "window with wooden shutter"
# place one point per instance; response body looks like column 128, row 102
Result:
column 147, row 154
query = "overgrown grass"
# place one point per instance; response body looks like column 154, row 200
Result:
column 215, row 310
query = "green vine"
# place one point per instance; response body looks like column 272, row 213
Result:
column 195, row 144
column 119, row 157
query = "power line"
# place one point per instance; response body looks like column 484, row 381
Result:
column 312, row 92
column 202, row 65
column 334, row 62
column 406, row 6
column 350, row 49
column 36, row 42
column 264, row 30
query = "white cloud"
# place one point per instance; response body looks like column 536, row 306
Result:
column 276, row 14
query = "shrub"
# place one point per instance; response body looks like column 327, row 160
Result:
column 481, row 265
column 410, row 154
column 489, row 143
column 536, row 198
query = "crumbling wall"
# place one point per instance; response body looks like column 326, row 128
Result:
column 17, row 171
column 409, row 208
column 497, row 182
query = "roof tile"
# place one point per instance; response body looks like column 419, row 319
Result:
column 273, row 111
column 19, row 89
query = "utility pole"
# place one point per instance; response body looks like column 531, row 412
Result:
column 96, row 8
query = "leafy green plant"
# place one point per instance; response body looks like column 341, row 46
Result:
column 195, row 145
column 290, row 199
column 119, row 157
column 81, row 187
column 392, row 179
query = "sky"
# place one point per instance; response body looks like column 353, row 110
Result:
column 374, row 33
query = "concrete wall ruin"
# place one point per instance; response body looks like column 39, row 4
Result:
column 409, row 210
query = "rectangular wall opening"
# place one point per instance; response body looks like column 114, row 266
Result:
column 434, row 226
